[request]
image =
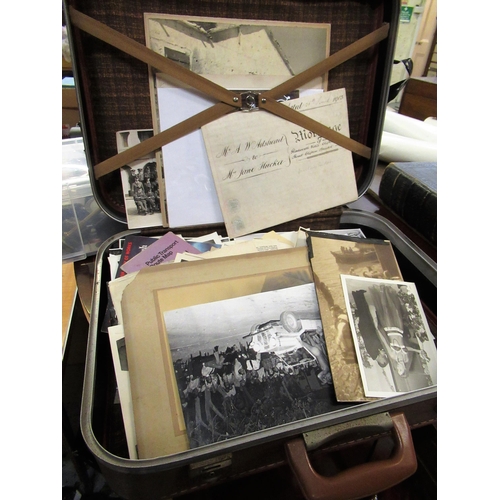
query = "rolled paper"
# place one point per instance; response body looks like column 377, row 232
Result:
column 398, row 148
column 409, row 127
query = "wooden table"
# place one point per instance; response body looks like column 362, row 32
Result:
column 69, row 293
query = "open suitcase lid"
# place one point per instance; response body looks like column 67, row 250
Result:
column 113, row 87
column 114, row 94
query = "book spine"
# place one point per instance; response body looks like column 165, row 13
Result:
column 409, row 198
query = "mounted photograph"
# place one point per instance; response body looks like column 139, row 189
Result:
column 221, row 46
column 394, row 345
column 237, row 54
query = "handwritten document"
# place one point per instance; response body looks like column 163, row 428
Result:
column 268, row 170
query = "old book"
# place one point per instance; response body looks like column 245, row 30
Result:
column 331, row 256
column 410, row 190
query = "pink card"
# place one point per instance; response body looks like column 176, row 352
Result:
column 163, row 250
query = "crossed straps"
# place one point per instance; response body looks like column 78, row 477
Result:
column 229, row 101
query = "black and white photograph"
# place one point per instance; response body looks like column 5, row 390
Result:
column 215, row 46
column 394, row 346
column 142, row 194
column 141, row 189
column 249, row 363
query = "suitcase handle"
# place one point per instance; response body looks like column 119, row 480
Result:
column 359, row 481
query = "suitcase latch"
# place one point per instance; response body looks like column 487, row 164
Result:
column 249, row 101
column 211, row 469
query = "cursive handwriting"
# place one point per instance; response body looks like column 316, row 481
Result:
column 244, row 147
column 234, row 174
column 315, row 102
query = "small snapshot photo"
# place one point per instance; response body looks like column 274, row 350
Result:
column 394, row 346
column 249, row 363
column 141, row 191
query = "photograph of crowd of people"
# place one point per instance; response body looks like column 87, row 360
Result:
column 395, row 348
column 249, row 363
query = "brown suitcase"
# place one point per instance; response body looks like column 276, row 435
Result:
column 113, row 91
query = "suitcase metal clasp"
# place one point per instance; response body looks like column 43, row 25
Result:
column 249, row 101
column 211, row 469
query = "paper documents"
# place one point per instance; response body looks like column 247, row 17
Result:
column 394, row 345
column 331, row 256
column 190, row 191
column 163, row 250
column 267, row 170
column 159, row 421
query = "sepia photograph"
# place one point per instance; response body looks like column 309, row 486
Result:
column 333, row 256
column 249, row 363
column 394, row 346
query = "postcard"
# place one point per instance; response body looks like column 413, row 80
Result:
column 163, row 250
column 394, row 346
column 268, row 171
column 190, row 189
column 331, row 256
column 249, row 363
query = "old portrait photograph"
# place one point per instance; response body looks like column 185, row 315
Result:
column 394, row 346
column 141, row 189
column 249, row 363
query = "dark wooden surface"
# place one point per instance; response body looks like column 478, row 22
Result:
column 419, row 98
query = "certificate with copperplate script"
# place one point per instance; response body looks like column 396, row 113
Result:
column 268, row 170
